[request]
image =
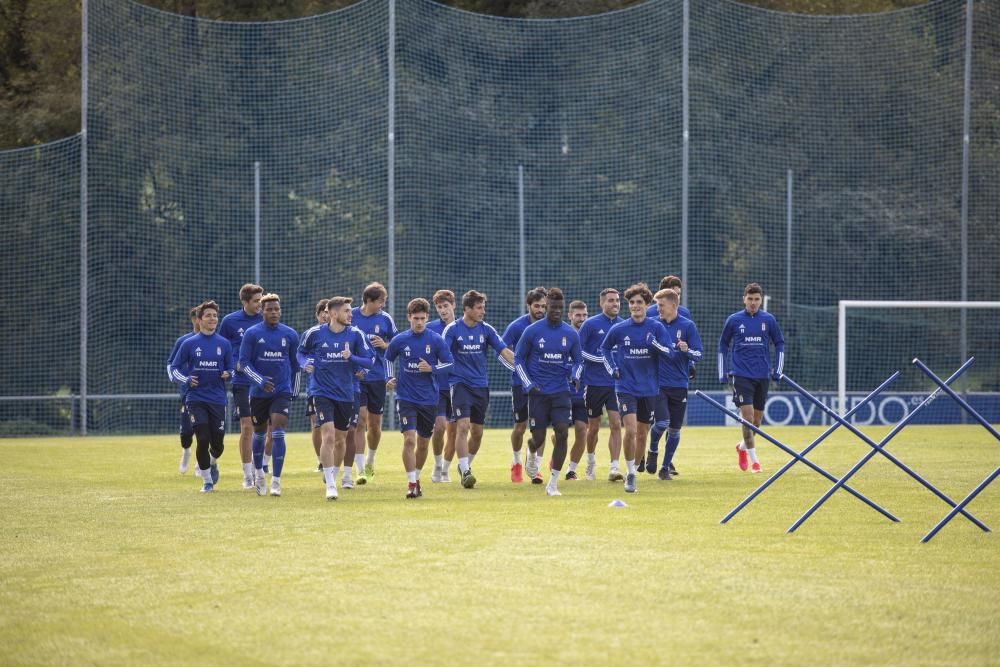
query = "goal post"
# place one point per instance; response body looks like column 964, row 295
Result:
column 845, row 305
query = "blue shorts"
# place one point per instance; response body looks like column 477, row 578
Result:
column 545, row 409
column 187, row 428
column 746, row 391
column 373, row 397
column 671, row 404
column 262, row 407
column 241, row 401
column 310, row 406
column 470, row 403
column 599, row 399
column 580, row 413
column 640, row 406
column 413, row 416
column 444, row 405
column 207, row 414
column 338, row 412
column 519, row 403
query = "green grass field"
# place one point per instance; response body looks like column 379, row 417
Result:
column 111, row 557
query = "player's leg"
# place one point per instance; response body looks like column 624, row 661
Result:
column 376, row 405
column 677, row 407
column 519, row 409
column 241, row 406
column 579, row 419
column 203, row 438
column 743, row 392
column 644, row 417
column 268, row 448
column 278, row 423
column 559, row 414
column 354, row 450
column 661, row 417
column 759, row 401
column 317, row 439
column 187, row 439
column 407, row 415
column 628, row 406
column 260, row 410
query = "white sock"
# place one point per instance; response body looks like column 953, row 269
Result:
column 212, row 460
column 614, row 465
column 411, row 476
column 753, row 455
column 630, row 466
column 371, row 457
column 438, row 459
column 572, row 466
column 206, row 475
column 417, row 473
column 553, row 478
column 538, row 460
column 248, row 470
column 359, row 461
column 463, row 464
column 445, row 464
column 517, row 458
column 267, row 460
column 471, row 456
column 347, row 473
column 592, row 459
column 741, row 446
column 328, row 476
column 275, row 480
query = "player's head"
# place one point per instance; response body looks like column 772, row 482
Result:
column 250, row 295
column 208, row 317
column 638, row 297
column 444, row 303
column 418, row 311
column 577, row 313
column 535, row 300
column 671, row 282
column 195, row 320
column 667, row 301
column 375, row 294
column 270, row 305
column 474, row 306
column 610, row 302
column 753, row 297
column 338, row 309
column 555, row 302
column 322, row 316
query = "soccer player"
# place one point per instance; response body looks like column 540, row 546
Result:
column 577, row 316
column 535, row 302
column 334, row 352
column 267, row 357
column 322, row 319
column 233, row 326
column 746, row 338
column 186, row 430
column 444, row 422
column 674, row 283
column 423, row 358
column 375, row 323
column 671, row 403
column 599, row 385
column 547, row 355
column 468, row 340
column 203, row 364
column 640, row 340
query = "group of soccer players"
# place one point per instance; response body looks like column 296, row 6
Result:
column 567, row 369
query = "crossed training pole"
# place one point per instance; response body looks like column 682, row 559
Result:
column 876, row 448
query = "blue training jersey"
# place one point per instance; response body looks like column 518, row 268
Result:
column 412, row 384
column 750, row 337
column 468, row 347
column 673, row 370
column 547, row 356
column 232, row 328
column 592, row 334
column 511, row 335
column 378, row 325
column 268, row 353
column 207, row 357
column 636, row 364
column 182, row 388
column 333, row 375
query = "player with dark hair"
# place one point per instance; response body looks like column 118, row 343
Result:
column 203, row 364
column 599, row 385
column 674, row 283
column 267, row 357
column 547, row 355
column 322, row 319
column 535, row 302
column 468, row 340
column 233, row 326
column 577, row 316
column 444, row 422
column 331, row 353
column 671, row 403
column 746, row 338
column 640, row 340
column 378, row 325
column 186, row 430
column 423, row 358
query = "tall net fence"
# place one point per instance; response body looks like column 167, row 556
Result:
column 489, row 145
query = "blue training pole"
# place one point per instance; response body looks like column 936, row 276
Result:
column 795, row 455
column 961, row 506
column 880, row 449
column 815, row 443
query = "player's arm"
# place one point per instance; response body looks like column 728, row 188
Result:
column 576, row 358
column 521, row 360
column 230, row 361
column 247, row 349
column 587, row 334
column 724, row 340
column 180, row 368
column 444, row 359
column 302, row 353
column 293, row 359
column 607, row 345
column 779, row 349
column 661, row 340
column 694, row 348
column 173, row 355
column 505, row 354
column 360, row 353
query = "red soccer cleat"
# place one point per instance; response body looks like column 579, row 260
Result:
column 517, row 473
column 755, row 468
column 743, row 458
column 412, row 490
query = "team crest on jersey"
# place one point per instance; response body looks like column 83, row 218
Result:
column 403, row 419
column 763, row 326
column 283, row 344
column 218, row 351
column 678, row 334
column 564, row 341
column 481, row 338
column 427, row 349
column 376, row 328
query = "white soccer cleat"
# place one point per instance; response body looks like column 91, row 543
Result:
column 259, row 484
column 445, row 476
column 531, row 467
column 551, row 490
column 347, row 483
column 185, row 458
column 331, row 493
column 436, row 475
column 248, row 483
column 591, row 473
column 275, row 487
